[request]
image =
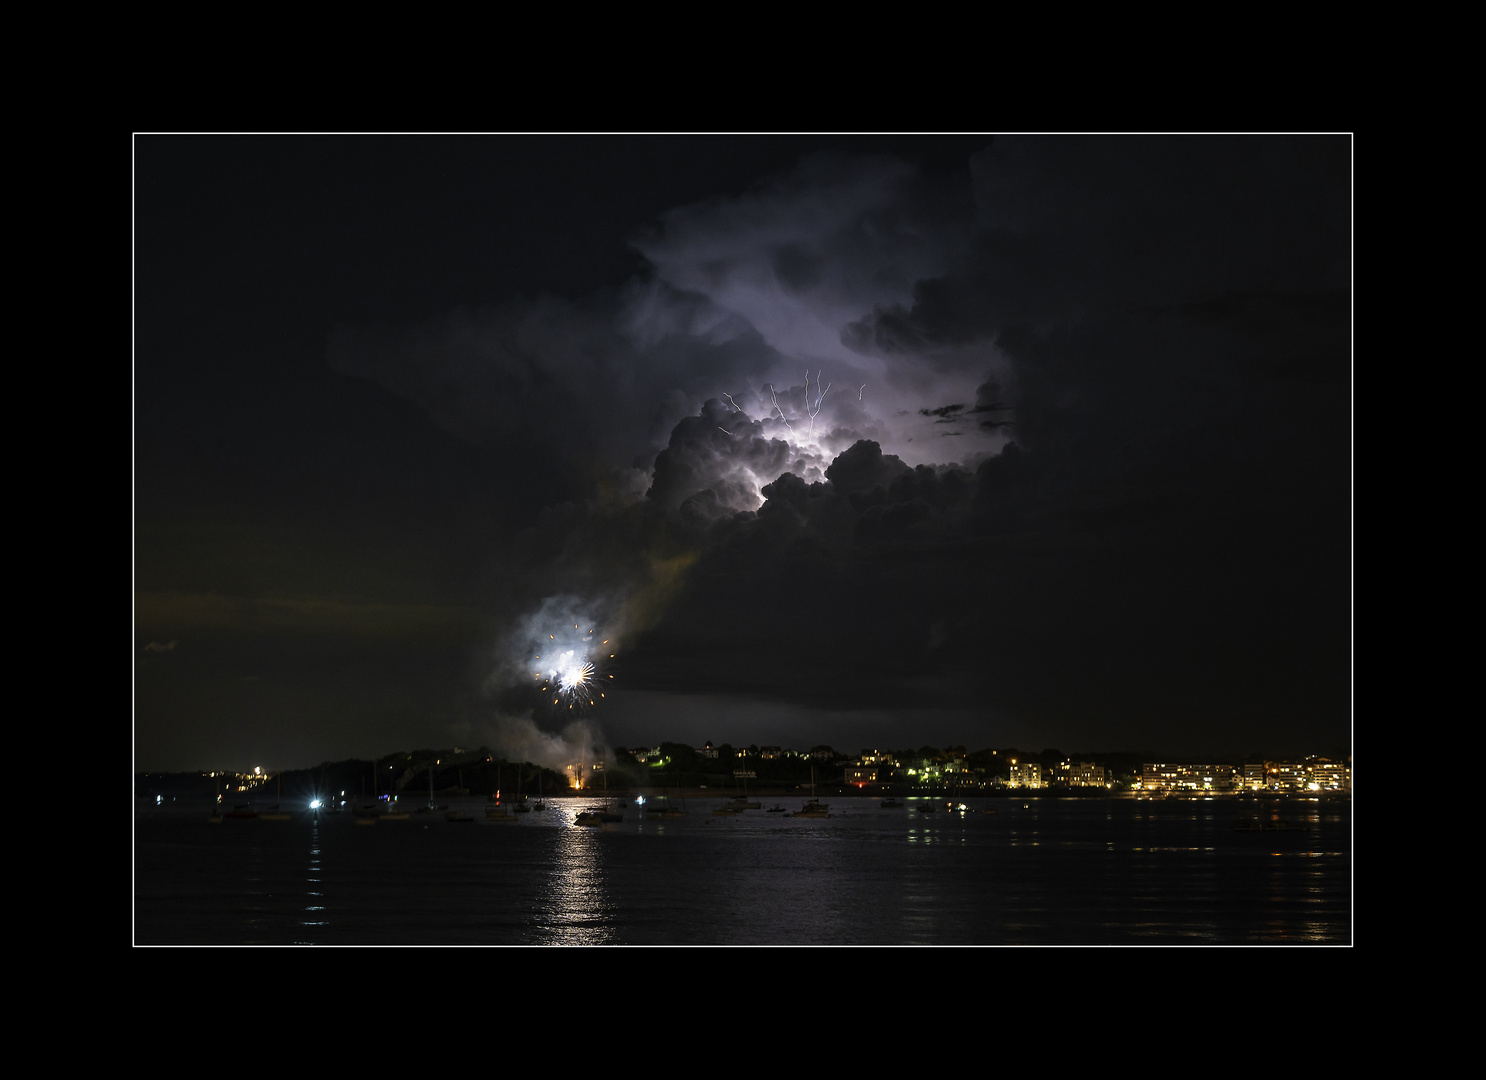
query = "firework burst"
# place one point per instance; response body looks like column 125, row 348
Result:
column 573, row 673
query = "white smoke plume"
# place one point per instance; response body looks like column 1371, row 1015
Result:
column 519, row 738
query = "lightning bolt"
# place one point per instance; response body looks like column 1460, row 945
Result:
column 815, row 411
column 775, row 400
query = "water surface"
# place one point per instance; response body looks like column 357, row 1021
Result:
column 1043, row 871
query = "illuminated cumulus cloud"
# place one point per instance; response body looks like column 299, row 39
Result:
column 719, row 461
column 747, row 300
column 804, row 259
column 722, row 460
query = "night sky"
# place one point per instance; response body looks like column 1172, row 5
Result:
column 1024, row 441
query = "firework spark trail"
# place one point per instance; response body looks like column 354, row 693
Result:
column 574, row 672
column 731, row 402
column 859, row 392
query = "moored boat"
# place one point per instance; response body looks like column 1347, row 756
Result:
column 814, row 808
column 664, row 808
column 596, row 816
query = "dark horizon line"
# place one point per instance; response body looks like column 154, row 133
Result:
column 1145, row 756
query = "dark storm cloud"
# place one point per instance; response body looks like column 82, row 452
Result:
column 1173, row 320
column 573, row 388
column 716, row 462
column 747, row 297
column 1055, row 443
column 1160, row 326
column 696, row 388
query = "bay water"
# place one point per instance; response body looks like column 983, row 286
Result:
column 1036, row 871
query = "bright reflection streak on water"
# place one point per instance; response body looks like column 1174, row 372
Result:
column 312, row 882
column 574, row 909
column 1054, row 871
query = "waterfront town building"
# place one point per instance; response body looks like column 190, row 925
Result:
column 1328, row 775
column 1168, row 778
column 1085, row 774
column 1026, row 774
column 1310, row 774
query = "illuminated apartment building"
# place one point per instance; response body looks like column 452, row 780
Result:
column 1176, row 778
column 1285, row 776
column 1159, row 777
column 1328, row 775
column 1085, row 774
column 1212, row 777
column 873, row 767
column 1026, row 774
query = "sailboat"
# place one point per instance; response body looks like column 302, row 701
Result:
column 521, row 807
column 432, row 806
column 742, row 802
column 449, row 815
column 378, row 810
column 539, row 805
column 367, row 815
column 600, row 815
column 667, row 809
column 277, row 813
column 813, row 808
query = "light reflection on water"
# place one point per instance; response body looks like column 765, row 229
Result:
column 573, row 908
column 314, row 910
column 1058, row 871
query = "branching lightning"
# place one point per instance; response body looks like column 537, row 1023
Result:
column 821, row 396
column 775, row 400
column 812, row 408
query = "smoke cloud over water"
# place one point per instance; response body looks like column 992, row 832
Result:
column 520, row 738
